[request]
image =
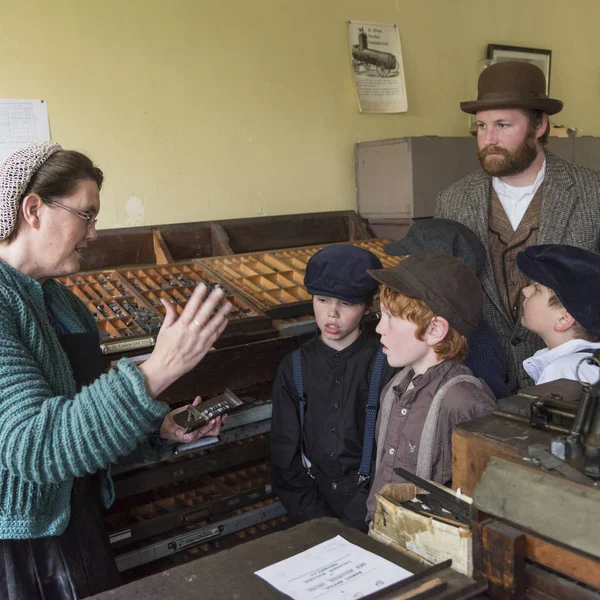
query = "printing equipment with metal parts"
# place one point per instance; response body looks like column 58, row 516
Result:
column 214, row 493
column 533, row 470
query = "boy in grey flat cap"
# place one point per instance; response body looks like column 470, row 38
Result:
column 484, row 356
column 429, row 303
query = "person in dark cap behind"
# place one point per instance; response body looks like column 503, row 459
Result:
column 562, row 306
column 321, row 431
column 429, row 304
column 484, row 355
column 522, row 196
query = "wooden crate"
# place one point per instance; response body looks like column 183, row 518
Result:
column 430, row 539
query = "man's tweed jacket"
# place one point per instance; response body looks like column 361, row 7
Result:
column 570, row 215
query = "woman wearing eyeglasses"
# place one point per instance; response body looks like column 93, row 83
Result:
column 62, row 420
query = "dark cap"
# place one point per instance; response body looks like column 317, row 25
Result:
column 340, row 271
column 443, row 282
column 573, row 274
column 443, row 236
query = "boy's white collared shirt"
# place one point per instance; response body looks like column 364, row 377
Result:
column 561, row 363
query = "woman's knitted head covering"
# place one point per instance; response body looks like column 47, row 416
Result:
column 15, row 174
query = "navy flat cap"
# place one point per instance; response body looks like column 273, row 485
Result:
column 442, row 236
column 573, row 274
column 340, row 271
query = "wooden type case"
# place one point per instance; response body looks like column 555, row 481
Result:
column 127, row 307
column 274, row 280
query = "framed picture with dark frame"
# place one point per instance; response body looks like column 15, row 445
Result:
column 536, row 56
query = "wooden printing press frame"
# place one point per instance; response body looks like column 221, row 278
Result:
column 245, row 439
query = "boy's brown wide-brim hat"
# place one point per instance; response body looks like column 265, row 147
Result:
column 512, row 84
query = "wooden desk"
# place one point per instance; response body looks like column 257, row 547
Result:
column 230, row 574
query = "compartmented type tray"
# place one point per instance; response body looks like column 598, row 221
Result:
column 127, row 307
column 376, row 247
column 274, row 280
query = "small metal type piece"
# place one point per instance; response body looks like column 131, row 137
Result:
column 197, row 416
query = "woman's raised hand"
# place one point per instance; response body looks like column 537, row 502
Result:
column 184, row 341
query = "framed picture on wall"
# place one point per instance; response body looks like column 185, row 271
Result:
column 540, row 58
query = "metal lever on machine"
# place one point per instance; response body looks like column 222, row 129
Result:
column 572, row 446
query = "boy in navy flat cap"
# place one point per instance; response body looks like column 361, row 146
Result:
column 326, row 393
column 562, row 306
column 484, row 356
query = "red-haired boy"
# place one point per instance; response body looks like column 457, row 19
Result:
column 429, row 303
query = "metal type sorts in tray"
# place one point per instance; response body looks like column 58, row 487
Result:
column 274, row 280
column 127, row 307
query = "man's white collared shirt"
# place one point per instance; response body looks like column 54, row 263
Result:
column 516, row 200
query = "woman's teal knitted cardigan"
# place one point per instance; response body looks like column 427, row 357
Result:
column 49, row 434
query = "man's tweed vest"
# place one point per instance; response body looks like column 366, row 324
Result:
column 505, row 243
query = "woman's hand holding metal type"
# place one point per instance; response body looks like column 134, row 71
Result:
column 169, row 430
column 184, row 341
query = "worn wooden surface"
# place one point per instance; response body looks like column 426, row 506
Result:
column 161, row 250
column 545, row 504
column 230, row 574
column 475, row 442
column 543, row 585
column 500, row 558
column 135, row 245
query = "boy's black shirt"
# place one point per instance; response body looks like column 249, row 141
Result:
column 336, row 386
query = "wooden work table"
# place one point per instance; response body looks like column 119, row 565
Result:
column 230, row 573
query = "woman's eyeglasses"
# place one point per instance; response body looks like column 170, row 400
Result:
column 88, row 218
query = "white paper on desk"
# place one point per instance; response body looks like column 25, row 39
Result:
column 333, row 570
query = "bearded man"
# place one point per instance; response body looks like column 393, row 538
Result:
column 522, row 196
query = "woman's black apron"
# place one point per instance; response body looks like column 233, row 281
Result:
column 80, row 562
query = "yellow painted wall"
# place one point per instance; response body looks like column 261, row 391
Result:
column 202, row 110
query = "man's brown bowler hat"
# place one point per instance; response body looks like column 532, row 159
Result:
column 512, row 84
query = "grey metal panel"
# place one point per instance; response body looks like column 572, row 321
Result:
column 384, row 182
column 438, row 162
column 562, row 147
column 587, row 152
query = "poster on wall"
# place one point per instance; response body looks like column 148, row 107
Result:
column 376, row 58
column 22, row 121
